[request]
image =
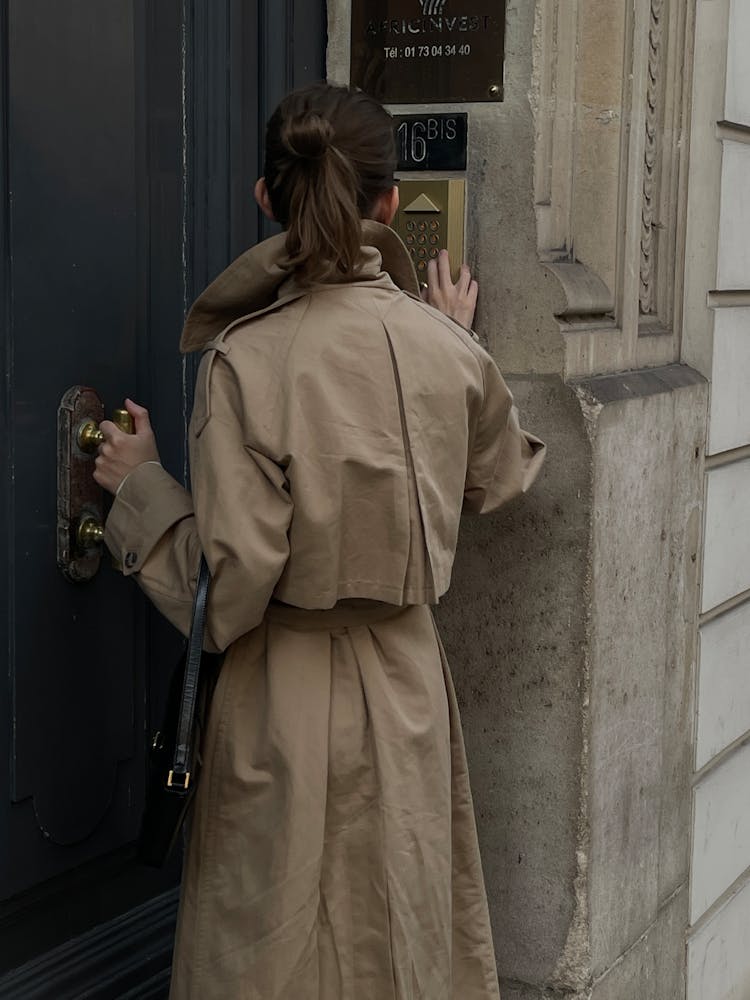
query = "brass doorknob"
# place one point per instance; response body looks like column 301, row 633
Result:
column 90, row 437
column 90, row 532
column 124, row 421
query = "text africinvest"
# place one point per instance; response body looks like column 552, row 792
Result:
column 429, row 25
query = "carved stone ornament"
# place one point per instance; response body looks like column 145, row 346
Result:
column 649, row 220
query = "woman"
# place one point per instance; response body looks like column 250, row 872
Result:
column 340, row 426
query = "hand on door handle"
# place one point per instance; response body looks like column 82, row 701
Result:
column 80, row 505
column 90, row 531
column 121, row 453
column 90, row 437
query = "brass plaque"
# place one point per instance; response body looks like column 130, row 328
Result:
column 428, row 51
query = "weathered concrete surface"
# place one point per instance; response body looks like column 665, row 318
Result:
column 647, row 494
column 569, row 628
column 514, row 625
column 518, row 296
column 650, row 969
column 518, row 991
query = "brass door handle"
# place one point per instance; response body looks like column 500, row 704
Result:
column 80, row 501
column 89, row 436
column 90, row 532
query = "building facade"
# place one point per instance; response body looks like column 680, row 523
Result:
column 716, row 340
column 598, row 630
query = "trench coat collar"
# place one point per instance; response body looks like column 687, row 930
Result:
column 261, row 279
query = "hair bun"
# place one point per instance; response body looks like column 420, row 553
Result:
column 308, row 136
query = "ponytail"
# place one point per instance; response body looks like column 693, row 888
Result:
column 329, row 154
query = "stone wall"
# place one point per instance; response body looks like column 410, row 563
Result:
column 516, row 628
column 570, row 622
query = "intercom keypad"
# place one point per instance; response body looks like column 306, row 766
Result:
column 424, row 240
column 430, row 219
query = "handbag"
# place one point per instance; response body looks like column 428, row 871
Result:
column 174, row 758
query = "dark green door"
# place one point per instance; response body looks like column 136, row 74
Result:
column 131, row 140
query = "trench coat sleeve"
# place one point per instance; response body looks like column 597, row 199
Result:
column 504, row 460
column 238, row 514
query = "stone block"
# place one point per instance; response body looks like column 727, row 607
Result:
column 723, row 688
column 738, row 66
column 726, row 548
column 719, row 952
column 654, row 967
column 734, row 218
column 648, row 434
column 729, row 426
column 721, row 837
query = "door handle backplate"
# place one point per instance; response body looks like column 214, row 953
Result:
column 80, row 501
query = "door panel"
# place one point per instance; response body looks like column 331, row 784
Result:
column 132, row 135
column 74, row 276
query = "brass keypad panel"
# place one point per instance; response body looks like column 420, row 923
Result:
column 425, row 238
column 430, row 219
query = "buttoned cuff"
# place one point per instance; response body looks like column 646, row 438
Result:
column 146, row 507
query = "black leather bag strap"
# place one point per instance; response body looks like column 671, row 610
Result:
column 179, row 776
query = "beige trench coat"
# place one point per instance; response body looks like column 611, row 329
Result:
column 337, row 434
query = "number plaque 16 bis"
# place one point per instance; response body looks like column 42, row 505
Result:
column 431, row 142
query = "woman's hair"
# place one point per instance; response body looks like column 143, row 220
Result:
column 330, row 152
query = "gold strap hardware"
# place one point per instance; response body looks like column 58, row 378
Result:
column 171, row 782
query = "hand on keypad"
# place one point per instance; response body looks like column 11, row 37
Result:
column 458, row 301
